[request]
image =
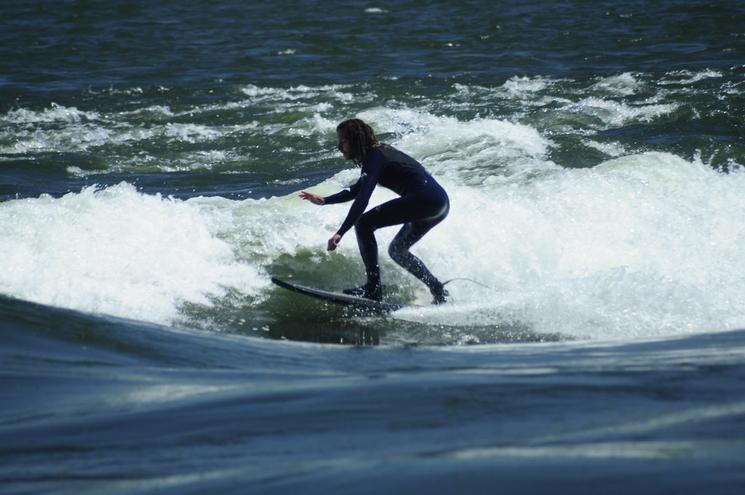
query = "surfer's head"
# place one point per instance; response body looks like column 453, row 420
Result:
column 355, row 139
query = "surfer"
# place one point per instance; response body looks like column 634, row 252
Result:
column 422, row 204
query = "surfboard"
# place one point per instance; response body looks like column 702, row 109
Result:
column 340, row 298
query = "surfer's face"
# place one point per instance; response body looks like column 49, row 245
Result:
column 343, row 146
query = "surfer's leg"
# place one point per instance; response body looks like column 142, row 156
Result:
column 394, row 212
column 399, row 252
column 368, row 246
column 409, row 234
column 419, row 213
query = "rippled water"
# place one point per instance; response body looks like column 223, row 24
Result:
column 150, row 160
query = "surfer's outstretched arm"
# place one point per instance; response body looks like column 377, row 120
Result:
column 340, row 197
column 320, row 200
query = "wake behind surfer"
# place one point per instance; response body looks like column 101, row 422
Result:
column 422, row 204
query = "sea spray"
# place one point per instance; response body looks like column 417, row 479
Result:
column 119, row 252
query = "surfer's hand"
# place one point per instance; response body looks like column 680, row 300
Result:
column 313, row 198
column 333, row 242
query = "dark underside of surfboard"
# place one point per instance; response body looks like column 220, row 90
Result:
column 341, row 298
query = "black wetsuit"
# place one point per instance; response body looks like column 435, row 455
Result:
column 422, row 205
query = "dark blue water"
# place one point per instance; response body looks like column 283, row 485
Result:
column 150, row 160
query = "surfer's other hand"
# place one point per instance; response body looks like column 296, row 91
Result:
column 333, row 242
column 313, row 198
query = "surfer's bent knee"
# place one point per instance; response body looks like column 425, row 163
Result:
column 396, row 251
column 364, row 223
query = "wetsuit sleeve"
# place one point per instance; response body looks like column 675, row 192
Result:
column 343, row 196
column 371, row 168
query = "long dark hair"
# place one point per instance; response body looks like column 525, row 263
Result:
column 360, row 137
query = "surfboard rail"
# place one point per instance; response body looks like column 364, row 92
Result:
column 339, row 297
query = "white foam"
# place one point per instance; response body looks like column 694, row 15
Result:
column 732, row 88
column 611, row 149
column 314, row 125
column 625, row 84
column 644, row 245
column 56, row 113
column 191, row 133
column 689, row 77
column 155, row 110
column 199, row 160
column 302, row 92
column 521, row 87
column 77, row 171
column 83, row 136
column 67, row 129
column 133, row 91
column 464, row 151
column 119, row 252
column 72, row 137
column 525, row 91
column 639, row 246
column 614, row 113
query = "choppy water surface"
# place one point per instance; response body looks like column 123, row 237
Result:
column 150, row 160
